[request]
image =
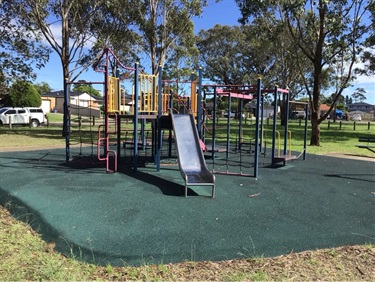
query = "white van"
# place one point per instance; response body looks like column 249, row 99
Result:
column 24, row 116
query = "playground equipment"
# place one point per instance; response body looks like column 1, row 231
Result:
column 80, row 111
column 153, row 101
column 241, row 93
column 192, row 164
column 244, row 155
column 287, row 152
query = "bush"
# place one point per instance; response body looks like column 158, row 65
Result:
column 23, row 94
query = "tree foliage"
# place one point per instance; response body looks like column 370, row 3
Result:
column 241, row 54
column 21, row 48
column 153, row 27
column 221, row 55
column 359, row 95
column 42, row 87
column 368, row 55
column 86, row 88
column 64, row 25
column 23, row 94
column 330, row 35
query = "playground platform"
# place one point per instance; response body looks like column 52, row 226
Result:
column 128, row 218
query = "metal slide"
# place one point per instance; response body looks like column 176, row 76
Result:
column 192, row 164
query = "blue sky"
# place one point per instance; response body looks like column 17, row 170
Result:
column 224, row 13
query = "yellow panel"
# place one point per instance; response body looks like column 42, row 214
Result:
column 113, row 94
column 194, row 98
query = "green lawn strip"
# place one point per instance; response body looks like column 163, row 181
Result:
column 338, row 138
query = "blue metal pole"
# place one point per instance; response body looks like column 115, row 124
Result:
column 135, row 118
column 261, row 124
column 256, row 156
column 199, row 104
column 305, row 135
column 66, row 119
column 275, row 104
column 160, row 105
column 286, row 124
column 214, row 125
column 228, row 125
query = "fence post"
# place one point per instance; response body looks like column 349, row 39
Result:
column 10, row 122
column 329, row 124
column 340, row 124
column 368, row 125
column 354, row 126
column 29, row 121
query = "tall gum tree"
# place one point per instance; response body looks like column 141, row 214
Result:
column 235, row 55
column 21, row 49
column 64, row 25
column 326, row 32
column 156, row 25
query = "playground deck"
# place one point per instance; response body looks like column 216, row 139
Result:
column 127, row 218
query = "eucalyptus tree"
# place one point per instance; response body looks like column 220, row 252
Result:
column 42, row 88
column 359, row 95
column 154, row 26
column 21, row 49
column 241, row 54
column 64, row 26
column 221, row 55
column 181, row 65
column 86, row 88
column 368, row 55
column 328, row 33
column 112, row 31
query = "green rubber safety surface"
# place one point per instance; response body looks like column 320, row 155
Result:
column 128, row 218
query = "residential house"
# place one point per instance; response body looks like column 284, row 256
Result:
column 362, row 107
column 80, row 103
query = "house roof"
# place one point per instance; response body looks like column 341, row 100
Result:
column 324, row 107
column 359, row 104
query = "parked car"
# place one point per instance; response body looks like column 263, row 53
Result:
column 22, row 116
column 356, row 117
column 297, row 115
column 231, row 114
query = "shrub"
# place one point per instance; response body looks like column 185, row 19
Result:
column 23, row 94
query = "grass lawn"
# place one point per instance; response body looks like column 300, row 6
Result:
column 24, row 256
column 335, row 138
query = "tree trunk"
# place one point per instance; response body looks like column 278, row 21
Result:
column 315, row 129
column 65, row 59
